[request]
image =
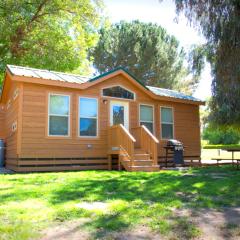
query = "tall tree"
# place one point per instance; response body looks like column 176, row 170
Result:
column 219, row 21
column 52, row 34
column 147, row 51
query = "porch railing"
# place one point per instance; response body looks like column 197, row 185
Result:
column 146, row 141
column 119, row 138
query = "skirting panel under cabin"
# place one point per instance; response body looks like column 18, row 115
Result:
column 59, row 164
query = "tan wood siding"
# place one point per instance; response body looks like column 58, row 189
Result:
column 11, row 110
column 35, row 143
column 2, row 115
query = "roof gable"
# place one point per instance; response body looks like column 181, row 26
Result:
column 115, row 70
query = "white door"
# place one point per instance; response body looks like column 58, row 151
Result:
column 119, row 113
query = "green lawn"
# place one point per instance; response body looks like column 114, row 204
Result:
column 32, row 202
column 221, row 146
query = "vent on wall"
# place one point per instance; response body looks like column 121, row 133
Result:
column 8, row 103
column 14, row 126
column 15, row 94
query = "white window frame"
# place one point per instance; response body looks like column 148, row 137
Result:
column 59, row 115
column 87, row 117
column 139, row 117
column 119, row 85
column 172, row 109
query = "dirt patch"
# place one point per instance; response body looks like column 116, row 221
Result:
column 213, row 224
column 137, row 233
column 72, row 230
column 224, row 224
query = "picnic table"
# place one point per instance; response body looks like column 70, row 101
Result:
column 232, row 150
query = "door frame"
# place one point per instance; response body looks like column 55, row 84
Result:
column 125, row 104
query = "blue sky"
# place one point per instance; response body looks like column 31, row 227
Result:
column 162, row 13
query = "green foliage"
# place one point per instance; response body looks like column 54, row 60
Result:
column 147, row 51
column 219, row 21
column 55, row 34
column 228, row 135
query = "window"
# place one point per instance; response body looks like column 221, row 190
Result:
column 166, row 122
column 118, row 92
column 59, row 111
column 146, row 116
column 88, row 115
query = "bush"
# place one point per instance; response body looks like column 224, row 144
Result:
column 216, row 135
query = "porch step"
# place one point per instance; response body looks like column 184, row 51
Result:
column 143, row 163
column 139, row 151
column 141, row 156
column 145, row 168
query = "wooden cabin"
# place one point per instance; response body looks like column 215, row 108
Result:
column 52, row 121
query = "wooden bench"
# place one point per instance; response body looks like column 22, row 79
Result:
column 227, row 159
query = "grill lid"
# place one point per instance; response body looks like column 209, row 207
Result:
column 174, row 142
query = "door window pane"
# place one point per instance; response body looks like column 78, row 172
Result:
column 58, row 118
column 88, row 115
column 118, row 115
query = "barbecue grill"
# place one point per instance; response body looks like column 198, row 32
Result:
column 174, row 151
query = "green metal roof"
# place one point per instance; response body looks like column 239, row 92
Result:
column 172, row 93
column 74, row 78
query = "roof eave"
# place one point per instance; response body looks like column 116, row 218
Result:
column 96, row 80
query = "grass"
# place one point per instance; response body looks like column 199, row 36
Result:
column 32, row 202
column 221, row 146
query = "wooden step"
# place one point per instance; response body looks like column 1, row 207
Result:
column 143, row 163
column 141, row 156
column 145, row 168
column 139, row 151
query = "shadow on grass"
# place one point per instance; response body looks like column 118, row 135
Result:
column 194, row 190
column 157, row 193
column 138, row 197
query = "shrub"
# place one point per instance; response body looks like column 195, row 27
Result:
column 227, row 135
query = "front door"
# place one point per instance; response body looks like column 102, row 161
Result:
column 119, row 113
